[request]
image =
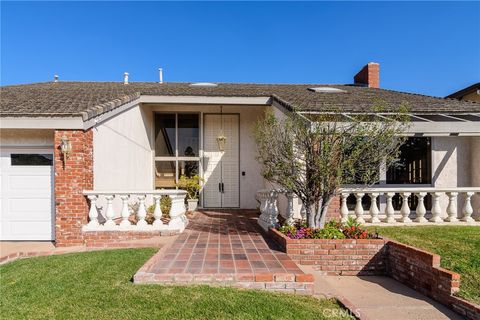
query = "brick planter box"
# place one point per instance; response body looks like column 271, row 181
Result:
column 336, row 256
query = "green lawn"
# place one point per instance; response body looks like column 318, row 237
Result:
column 97, row 285
column 459, row 247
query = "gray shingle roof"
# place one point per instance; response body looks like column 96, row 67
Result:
column 89, row 99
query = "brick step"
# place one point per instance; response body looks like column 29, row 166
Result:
column 284, row 282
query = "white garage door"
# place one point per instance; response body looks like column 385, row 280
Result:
column 26, row 201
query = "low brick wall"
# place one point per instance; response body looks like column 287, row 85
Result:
column 420, row 270
column 104, row 239
column 336, row 256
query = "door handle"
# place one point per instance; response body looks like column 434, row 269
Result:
column 220, row 187
column 223, row 188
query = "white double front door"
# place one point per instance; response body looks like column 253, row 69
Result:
column 221, row 168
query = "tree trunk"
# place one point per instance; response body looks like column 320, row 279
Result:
column 318, row 207
column 322, row 211
column 323, row 215
column 310, row 213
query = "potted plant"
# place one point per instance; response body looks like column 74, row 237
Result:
column 193, row 187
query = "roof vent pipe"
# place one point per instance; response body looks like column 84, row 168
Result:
column 125, row 78
column 55, row 78
column 160, row 75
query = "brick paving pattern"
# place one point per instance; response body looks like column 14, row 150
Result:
column 225, row 247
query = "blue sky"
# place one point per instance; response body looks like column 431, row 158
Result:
column 431, row 48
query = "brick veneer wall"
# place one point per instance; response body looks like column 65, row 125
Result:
column 336, row 256
column 71, row 207
column 106, row 239
column 333, row 212
column 421, row 271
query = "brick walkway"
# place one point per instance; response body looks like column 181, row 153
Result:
column 225, row 247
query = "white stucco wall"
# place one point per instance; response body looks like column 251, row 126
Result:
column 451, row 161
column 26, row 138
column 252, row 181
column 452, row 165
column 122, row 152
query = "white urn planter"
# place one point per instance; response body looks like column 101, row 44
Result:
column 192, row 204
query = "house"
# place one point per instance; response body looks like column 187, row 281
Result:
column 119, row 143
column 470, row 93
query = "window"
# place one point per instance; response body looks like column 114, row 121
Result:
column 165, row 135
column 414, row 165
column 188, row 133
column 177, row 139
column 28, row 159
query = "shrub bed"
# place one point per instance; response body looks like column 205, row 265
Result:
column 333, row 229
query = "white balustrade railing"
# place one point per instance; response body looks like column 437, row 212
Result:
column 447, row 205
column 106, row 218
column 269, row 207
column 448, row 212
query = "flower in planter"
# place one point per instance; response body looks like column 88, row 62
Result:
column 332, row 230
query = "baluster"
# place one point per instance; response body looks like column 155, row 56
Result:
column 157, row 213
column 343, row 207
column 263, row 202
column 452, row 207
column 264, row 218
column 436, row 209
column 389, row 210
column 467, row 208
column 420, row 211
column 125, row 211
column 289, row 210
column 142, row 211
column 93, row 212
column 273, row 209
column 405, row 210
column 109, row 214
column 359, row 208
column 177, row 212
column 374, row 208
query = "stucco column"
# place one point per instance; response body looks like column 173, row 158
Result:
column 71, row 207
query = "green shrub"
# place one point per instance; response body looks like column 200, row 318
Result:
column 191, row 185
column 329, row 232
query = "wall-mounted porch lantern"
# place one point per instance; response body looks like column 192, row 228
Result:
column 65, row 148
column 221, row 140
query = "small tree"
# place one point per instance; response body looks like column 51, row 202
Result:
column 312, row 157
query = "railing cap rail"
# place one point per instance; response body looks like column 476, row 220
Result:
column 409, row 189
column 162, row 192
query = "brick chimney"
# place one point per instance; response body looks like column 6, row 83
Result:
column 369, row 75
